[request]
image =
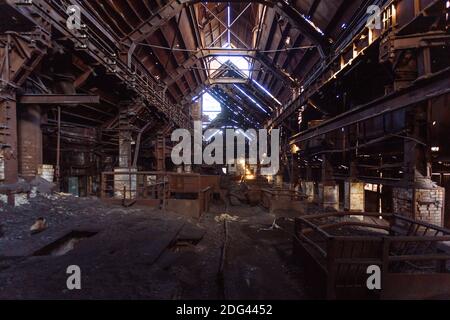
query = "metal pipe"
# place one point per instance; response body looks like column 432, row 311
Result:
column 58, row 148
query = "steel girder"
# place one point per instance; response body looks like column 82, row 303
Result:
column 221, row 80
column 215, row 52
column 226, row 80
column 171, row 9
column 137, row 77
column 434, row 86
column 58, row 99
column 20, row 54
column 174, row 7
column 295, row 18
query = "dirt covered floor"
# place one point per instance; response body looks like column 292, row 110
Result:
column 141, row 253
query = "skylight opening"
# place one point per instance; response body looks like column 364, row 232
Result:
column 244, row 66
column 241, row 63
column 210, row 108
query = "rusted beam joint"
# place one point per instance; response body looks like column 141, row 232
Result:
column 58, row 99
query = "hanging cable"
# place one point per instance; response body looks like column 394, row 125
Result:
column 252, row 50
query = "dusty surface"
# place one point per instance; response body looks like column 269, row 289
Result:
column 140, row 253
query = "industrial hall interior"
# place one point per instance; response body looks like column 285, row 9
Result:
column 224, row 150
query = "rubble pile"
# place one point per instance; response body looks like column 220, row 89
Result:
column 23, row 191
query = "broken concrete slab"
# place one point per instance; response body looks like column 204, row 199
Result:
column 191, row 233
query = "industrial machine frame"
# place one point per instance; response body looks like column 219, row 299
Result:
column 337, row 249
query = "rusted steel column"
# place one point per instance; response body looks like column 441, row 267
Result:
column 419, row 198
column 406, row 70
column 160, row 153
column 354, row 194
column 328, row 189
column 8, row 120
column 125, row 176
column 138, row 144
column 124, row 138
column 417, row 158
column 29, row 140
column 58, row 149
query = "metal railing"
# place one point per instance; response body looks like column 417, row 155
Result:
column 343, row 247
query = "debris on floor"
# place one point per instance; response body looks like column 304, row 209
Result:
column 24, row 191
column 42, row 185
column 225, row 217
column 141, row 252
column 39, row 226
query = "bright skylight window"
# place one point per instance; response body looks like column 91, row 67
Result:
column 210, row 106
column 241, row 63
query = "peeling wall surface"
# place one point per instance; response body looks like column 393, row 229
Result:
column 423, row 204
column 354, row 196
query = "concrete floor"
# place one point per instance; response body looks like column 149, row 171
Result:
column 140, row 253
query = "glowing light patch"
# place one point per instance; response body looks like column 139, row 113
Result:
column 211, row 107
column 313, row 25
column 251, row 99
column 266, row 91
